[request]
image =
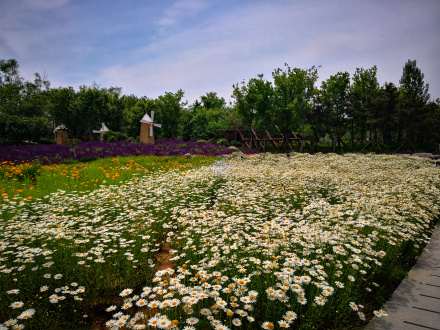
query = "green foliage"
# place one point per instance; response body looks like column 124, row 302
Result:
column 111, row 136
column 223, row 142
column 335, row 91
column 47, row 141
column 170, row 111
column 212, row 101
column 134, row 113
column 412, row 84
column 359, row 112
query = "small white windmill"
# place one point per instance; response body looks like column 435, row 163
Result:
column 102, row 130
column 147, row 124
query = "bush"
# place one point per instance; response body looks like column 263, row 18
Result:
column 111, row 136
column 236, row 143
column 74, row 141
column 202, row 141
column 223, row 142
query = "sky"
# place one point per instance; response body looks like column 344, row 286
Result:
column 149, row 47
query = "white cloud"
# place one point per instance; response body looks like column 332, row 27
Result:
column 202, row 46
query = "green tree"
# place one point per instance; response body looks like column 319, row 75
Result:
column 170, row 111
column 320, row 118
column 294, row 91
column 115, row 113
column 134, row 114
column 413, row 98
column 23, row 105
column 87, row 111
column 244, row 109
column 261, row 97
column 60, row 100
column 335, row 91
column 11, row 87
column 255, row 105
column 212, row 101
column 364, row 84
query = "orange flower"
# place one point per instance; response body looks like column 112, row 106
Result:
column 30, row 197
column 4, row 194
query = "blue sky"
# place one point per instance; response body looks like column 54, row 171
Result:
column 150, row 47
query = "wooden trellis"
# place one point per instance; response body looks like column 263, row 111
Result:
column 260, row 141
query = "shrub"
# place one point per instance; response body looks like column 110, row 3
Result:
column 236, row 143
column 111, row 136
column 223, row 142
column 202, row 141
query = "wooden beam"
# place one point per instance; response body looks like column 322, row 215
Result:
column 272, row 140
column 284, row 139
column 256, row 138
column 242, row 138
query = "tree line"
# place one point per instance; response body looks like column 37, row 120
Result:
column 345, row 109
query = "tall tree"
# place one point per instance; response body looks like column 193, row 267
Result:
column 335, row 91
column 412, row 84
column 60, row 100
column 23, row 105
column 295, row 89
column 364, row 84
column 261, row 97
column 88, row 111
column 320, row 117
column 413, row 98
column 170, row 106
column 245, row 110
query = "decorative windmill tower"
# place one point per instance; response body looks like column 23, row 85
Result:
column 61, row 135
column 147, row 124
column 101, row 131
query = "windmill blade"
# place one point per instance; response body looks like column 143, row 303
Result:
column 158, row 125
column 151, row 130
column 152, row 115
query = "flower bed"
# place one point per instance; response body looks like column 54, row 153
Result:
column 52, row 154
column 264, row 241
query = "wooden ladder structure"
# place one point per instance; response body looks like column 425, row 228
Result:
column 261, row 142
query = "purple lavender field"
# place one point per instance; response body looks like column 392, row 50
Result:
column 53, row 153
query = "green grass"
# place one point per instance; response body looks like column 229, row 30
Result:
column 33, row 180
